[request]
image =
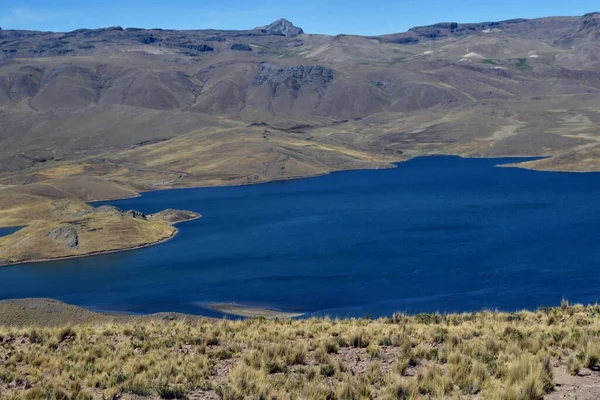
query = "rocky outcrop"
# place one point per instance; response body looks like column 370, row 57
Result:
column 170, row 215
column 282, row 27
column 136, row 214
column 240, row 47
column 65, row 234
column 175, row 216
column 148, row 39
column 38, row 156
column 215, row 39
column 202, row 48
column 295, row 76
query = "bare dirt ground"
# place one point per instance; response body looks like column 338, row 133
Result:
column 584, row 386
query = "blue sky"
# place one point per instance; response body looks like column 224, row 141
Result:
column 367, row 17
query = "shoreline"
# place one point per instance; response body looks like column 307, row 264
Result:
column 26, row 304
column 291, row 178
column 391, row 165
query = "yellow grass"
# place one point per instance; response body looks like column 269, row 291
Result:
column 63, row 171
column 488, row 355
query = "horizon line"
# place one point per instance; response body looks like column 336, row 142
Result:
column 119, row 27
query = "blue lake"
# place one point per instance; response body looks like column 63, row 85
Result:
column 434, row 234
column 8, row 231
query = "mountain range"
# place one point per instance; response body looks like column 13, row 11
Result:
column 518, row 87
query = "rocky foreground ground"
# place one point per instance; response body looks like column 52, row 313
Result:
column 49, row 350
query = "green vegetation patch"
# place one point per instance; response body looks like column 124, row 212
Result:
column 521, row 63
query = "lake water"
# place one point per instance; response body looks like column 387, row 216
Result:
column 8, row 231
column 434, row 234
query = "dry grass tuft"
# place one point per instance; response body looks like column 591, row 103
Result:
column 489, row 355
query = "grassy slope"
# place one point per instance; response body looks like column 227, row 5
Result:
column 489, row 355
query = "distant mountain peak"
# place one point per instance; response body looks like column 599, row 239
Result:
column 282, row 27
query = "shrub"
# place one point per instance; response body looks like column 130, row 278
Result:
column 224, row 354
column 36, row 337
column 327, row 370
column 359, row 340
column 592, row 354
column 330, row 346
column 66, row 333
column 573, row 365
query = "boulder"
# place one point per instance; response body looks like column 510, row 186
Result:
column 136, row 214
column 66, row 234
